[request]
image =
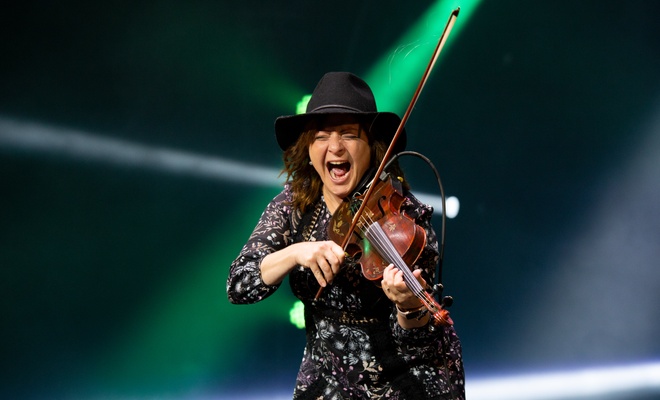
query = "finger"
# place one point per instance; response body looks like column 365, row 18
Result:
column 418, row 275
column 398, row 279
column 318, row 274
column 338, row 252
column 386, row 280
column 388, row 273
column 334, row 260
column 326, row 269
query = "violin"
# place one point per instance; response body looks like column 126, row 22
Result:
column 383, row 236
column 376, row 233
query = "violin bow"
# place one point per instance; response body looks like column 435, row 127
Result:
column 402, row 124
column 404, row 119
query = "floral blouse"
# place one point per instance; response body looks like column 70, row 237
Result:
column 355, row 347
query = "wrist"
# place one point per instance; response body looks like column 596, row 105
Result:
column 412, row 313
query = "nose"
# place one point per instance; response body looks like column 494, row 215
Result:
column 335, row 143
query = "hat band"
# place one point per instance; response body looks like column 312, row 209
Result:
column 336, row 106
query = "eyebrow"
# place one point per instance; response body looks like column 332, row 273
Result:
column 339, row 128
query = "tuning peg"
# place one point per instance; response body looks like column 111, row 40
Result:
column 437, row 289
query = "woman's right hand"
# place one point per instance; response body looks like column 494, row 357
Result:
column 322, row 258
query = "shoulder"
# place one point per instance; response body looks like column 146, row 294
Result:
column 280, row 204
column 283, row 198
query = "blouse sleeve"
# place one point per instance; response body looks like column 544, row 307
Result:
column 245, row 284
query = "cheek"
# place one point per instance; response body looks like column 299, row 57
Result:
column 313, row 154
column 364, row 158
column 316, row 160
column 318, row 167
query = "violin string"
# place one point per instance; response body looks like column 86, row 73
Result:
column 377, row 236
column 383, row 244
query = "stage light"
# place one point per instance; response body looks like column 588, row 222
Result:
column 297, row 315
column 588, row 383
column 301, row 107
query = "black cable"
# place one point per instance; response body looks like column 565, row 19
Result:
column 441, row 250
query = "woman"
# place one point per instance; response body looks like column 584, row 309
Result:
column 365, row 340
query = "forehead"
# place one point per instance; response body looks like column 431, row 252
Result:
column 334, row 121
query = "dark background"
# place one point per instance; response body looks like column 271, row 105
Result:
column 543, row 119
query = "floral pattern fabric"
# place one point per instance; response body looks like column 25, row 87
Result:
column 355, row 347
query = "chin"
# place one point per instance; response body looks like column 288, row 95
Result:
column 341, row 192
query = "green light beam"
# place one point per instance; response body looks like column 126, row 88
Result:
column 396, row 75
column 189, row 332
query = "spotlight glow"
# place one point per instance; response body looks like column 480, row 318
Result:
column 585, row 384
column 594, row 383
column 297, row 314
column 452, row 203
column 81, row 145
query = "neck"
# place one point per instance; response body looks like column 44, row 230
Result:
column 331, row 201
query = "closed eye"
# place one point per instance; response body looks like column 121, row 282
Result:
column 350, row 134
column 321, row 136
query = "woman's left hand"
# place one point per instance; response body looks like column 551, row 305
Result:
column 397, row 291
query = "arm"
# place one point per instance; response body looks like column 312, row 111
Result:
column 323, row 258
column 269, row 255
column 245, row 284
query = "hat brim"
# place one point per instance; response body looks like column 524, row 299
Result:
column 288, row 128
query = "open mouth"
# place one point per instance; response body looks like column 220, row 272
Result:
column 338, row 169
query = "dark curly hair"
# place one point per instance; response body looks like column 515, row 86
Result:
column 306, row 184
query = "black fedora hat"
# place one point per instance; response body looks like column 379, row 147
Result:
column 341, row 93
